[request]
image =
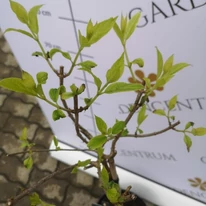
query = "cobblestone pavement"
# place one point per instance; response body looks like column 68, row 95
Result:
column 16, row 112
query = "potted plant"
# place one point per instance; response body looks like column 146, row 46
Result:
column 58, row 98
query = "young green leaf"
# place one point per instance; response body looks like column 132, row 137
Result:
column 55, row 50
column 28, row 162
column 24, row 134
column 87, row 64
column 159, row 112
column 140, row 131
column 54, row 94
column 132, row 24
column 33, row 21
column 200, row 131
column 139, row 62
column 178, row 67
column 57, row 114
column 42, row 77
column 37, row 53
column 87, row 100
column 84, row 42
column 104, row 177
column 19, row 31
column 67, row 95
column 118, row 32
column 28, row 80
column 100, row 152
column 101, row 125
column 122, row 87
column 159, row 63
column 188, row 142
column 84, row 163
column 74, row 170
column 188, row 125
column 118, row 127
column 116, row 71
column 39, row 90
column 172, row 103
column 97, row 141
column 147, row 82
column 101, row 29
column 168, row 64
column 113, row 195
column 125, row 132
column 74, row 89
column 20, row 12
column 55, row 141
column 81, row 89
column 142, row 115
column 90, row 29
column 123, row 23
column 35, row 200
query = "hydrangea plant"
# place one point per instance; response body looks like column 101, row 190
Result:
column 108, row 85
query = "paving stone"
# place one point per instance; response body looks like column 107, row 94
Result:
column 13, row 169
column 10, row 61
column 43, row 137
column 17, row 108
column 25, row 98
column 78, row 197
column 2, row 98
column 83, row 179
column 1, row 34
column 4, row 91
column 4, row 117
column 5, row 47
column 3, row 57
column 37, row 117
column 5, row 72
column 10, row 144
column 16, row 125
column 96, row 191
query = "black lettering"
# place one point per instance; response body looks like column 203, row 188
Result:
column 177, row 5
column 148, row 107
column 198, row 101
column 148, row 155
column 203, row 160
column 156, row 156
column 170, row 157
column 153, row 103
column 140, row 153
column 187, row 106
column 159, row 11
column 123, row 153
column 195, row 6
column 167, row 105
column 124, row 109
column 143, row 17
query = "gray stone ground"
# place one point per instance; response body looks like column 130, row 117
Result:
column 16, row 112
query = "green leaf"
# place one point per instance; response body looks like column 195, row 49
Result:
column 74, row 170
column 100, row 152
column 55, row 50
column 42, row 77
column 188, row 142
column 97, row 81
column 34, row 199
column 74, row 89
column 24, row 134
column 168, row 64
column 125, row 133
column 200, row 131
column 101, row 29
column 97, row 142
column 159, row 112
column 172, row 103
column 188, row 125
column 84, row 163
column 132, row 24
column 87, row 100
column 138, row 61
column 118, row 127
column 118, row 32
column 116, row 71
column 55, row 141
column 33, row 20
column 140, row 131
column 28, row 162
column 90, row 29
column 122, row 87
column 62, row 89
column 104, row 177
column 37, row 53
column 20, row 12
column 88, row 64
column 28, row 80
column 67, row 95
column 113, row 195
column 57, row 114
column 101, row 125
column 54, row 94
column 159, row 63
column 39, row 90
column 84, row 42
column 19, row 31
column 142, row 115
column 81, row 89
column 123, row 24
column 147, row 82
column 178, row 67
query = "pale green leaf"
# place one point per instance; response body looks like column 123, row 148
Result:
column 28, row 80
column 67, row 95
column 147, row 82
column 37, row 53
column 54, row 94
column 19, row 31
column 55, row 141
column 116, row 71
column 33, row 20
column 97, row 141
column 42, row 77
column 172, row 103
column 178, row 67
column 118, row 32
column 74, row 89
column 39, row 90
column 118, row 127
column 141, row 115
column 55, row 50
column 123, row 24
column 28, row 162
column 168, row 64
column 87, row 64
column 122, row 87
column 132, row 24
column 113, row 195
column 139, row 62
column 20, row 11
column 101, row 125
column 104, row 177
column 159, row 63
column 159, row 112
column 188, row 125
column 84, row 163
column 57, row 114
column 200, row 131
column 188, row 142
column 90, row 29
column 84, row 42
column 24, row 134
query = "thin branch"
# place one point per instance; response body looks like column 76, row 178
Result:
column 40, row 182
column 48, row 150
column 170, row 127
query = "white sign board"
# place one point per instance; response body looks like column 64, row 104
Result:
column 175, row 27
